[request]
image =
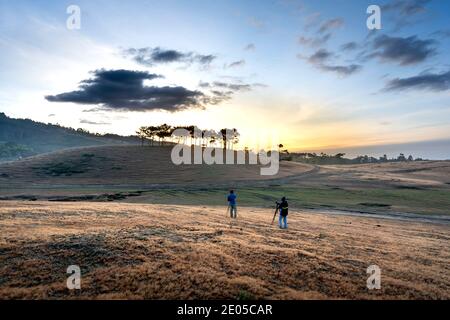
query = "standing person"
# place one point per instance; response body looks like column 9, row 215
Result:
column 284, row 208
column 232, row 203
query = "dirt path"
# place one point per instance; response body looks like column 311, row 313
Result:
column 167, row 251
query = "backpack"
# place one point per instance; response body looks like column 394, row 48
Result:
column 284, row 208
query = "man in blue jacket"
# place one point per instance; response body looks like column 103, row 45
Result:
column 232, row 203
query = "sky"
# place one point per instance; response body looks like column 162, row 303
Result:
column 309, row 74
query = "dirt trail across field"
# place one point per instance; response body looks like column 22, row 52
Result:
column 193, row 252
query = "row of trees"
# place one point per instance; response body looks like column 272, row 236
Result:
column 400, row 158
column 338, row 158
column 206, row 138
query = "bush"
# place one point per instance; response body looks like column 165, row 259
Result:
column 13, row 150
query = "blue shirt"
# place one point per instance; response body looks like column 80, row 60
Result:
column 232, row 199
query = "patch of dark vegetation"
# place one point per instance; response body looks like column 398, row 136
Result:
column 115, row 196
column 14, row 151
column 412, row 170
column 20, row 197
column 74, row 199
column 88, row 155
column 327, row 206
column 70, row 167
column 374, row 205
column 100, row 198
column 410, row 187
column 61, row 169
column 245, row 296
column 134, row 194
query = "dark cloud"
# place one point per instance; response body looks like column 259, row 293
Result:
column 204, row 84
column 232, row 86
column 406, row 7
column 321, row 60
column 154, row 56
column 235, row 64
column 320, row 56
column 404, row 51
column 349, row 46
column 442, row 34
column 424, row 81
column 323, row 33
column 205, row 59
column 314, row 41
column 84, row 121
column 125, row 90
column 331, row 25
column 405, row 12
column 341, row 70
column 218, row 96
column 223, row 91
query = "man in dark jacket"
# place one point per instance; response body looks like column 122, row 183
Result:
column 284, row 208
column 232, row 204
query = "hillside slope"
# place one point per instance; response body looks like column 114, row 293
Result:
column 126, row 166
column 35, row 137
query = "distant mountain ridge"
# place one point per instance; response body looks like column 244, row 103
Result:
column 24, row 137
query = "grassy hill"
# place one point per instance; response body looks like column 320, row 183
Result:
column 23, row 137
column 102, row 167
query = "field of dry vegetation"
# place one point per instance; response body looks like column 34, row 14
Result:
column 142, row 251
column 153, row 230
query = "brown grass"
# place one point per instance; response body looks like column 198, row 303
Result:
column 183, row 252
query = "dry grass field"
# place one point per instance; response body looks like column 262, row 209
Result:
column 139, row 251
column 140, row 227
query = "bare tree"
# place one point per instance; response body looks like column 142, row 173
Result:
column 142, row 133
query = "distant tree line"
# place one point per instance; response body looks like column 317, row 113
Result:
column 206, row 138
column 323, row 158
